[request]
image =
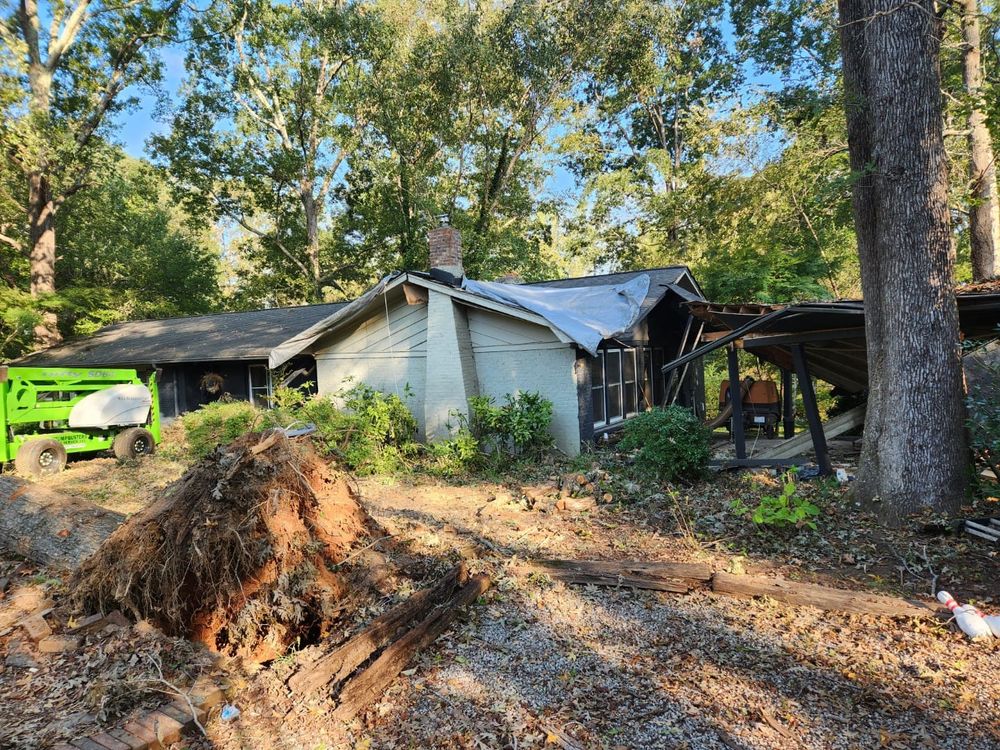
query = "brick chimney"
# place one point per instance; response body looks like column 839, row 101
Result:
column 446, row 249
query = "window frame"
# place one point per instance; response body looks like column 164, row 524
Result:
column 252, row 389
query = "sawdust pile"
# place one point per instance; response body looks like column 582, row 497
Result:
column 242, row 553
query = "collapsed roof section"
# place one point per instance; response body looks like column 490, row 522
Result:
column 583, row 315
column 832, row 333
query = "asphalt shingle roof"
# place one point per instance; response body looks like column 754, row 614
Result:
column 252, row 335
column 200, row 338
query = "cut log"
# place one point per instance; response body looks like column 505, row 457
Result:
column 685, row 570
column 369, row 684
column 823, row 597
column 337, row 665
column 655, row 576
column 49, row 528
column 802, row 443
column 673, row 585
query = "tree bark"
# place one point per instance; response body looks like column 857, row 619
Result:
column 914, row 453
column 42, row 255
column 984, row 213
column 311, row 211
column 48, row 528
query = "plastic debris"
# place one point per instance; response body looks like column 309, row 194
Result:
column 229, row 713
column 968, row 618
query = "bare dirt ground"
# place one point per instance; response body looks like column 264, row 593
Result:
column 539, row 664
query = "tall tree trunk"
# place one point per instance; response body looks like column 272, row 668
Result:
column 984, row 214
column 311, row 210
column 914, row 453
column 42, row 255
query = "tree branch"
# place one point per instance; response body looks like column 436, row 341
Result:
column 67, row 35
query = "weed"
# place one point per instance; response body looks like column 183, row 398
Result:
column 786, row 509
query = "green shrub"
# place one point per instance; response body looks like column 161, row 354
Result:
column 783, row 510
column 671, row 443
column 456, row 455
column 221, row 422
column 373, row 435
column 518, row 427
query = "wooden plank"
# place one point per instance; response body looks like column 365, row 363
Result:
column 801, row 443
column 823, row 597
column 372, row 682
column 692, row 571
column 344, row 659
column 650, row 583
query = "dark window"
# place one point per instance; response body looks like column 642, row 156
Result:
column 597, row 388
column 613, row 383
column 646, row 398
column 658, row 375
column 630, row 382
column 260, row 386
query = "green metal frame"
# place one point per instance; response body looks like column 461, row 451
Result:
column 35, row 402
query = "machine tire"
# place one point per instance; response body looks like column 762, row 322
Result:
column 40, row 458
column 133, row 443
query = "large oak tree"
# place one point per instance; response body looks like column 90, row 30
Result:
column 914, row 453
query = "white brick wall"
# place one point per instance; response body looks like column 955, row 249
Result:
column 451, row 368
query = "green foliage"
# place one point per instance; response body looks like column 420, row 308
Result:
column 787, row 509
column 518, row 427
column 380, row 440
column 219, row 423
column 457, row 455
column 372, row 435
column 671, row 443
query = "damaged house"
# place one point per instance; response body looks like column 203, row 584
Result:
column 594, row 346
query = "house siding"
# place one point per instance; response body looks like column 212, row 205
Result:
column 514, row 355
column 388, row 357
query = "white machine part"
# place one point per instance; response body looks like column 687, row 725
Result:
column 119, row 405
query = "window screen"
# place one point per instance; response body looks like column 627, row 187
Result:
column 260, row 386
column 630, row 390
column 597, row 389
column 613, row 383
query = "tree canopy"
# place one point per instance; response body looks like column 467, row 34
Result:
column 310, row 146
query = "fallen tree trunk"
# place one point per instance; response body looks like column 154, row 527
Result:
column 656, row 576
column 49, row 528
column 823, row 597
column 372, row 682
column 337, row 665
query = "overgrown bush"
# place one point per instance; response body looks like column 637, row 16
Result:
column 518, row 427
column 670, row 444
column 221, row 422
column 373, row 434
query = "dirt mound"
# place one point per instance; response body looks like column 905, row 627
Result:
column 241, row 553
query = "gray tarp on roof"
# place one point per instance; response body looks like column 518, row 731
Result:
column 585, row 314
column 660, row 280
column 200, row 338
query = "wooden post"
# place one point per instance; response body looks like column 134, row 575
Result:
column 788, row 403
column 736, row 399
column 812, row 411
column 673, row 373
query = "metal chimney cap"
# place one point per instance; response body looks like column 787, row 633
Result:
column 443, row 220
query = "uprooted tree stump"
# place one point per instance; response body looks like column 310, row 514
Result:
column 242, row 553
